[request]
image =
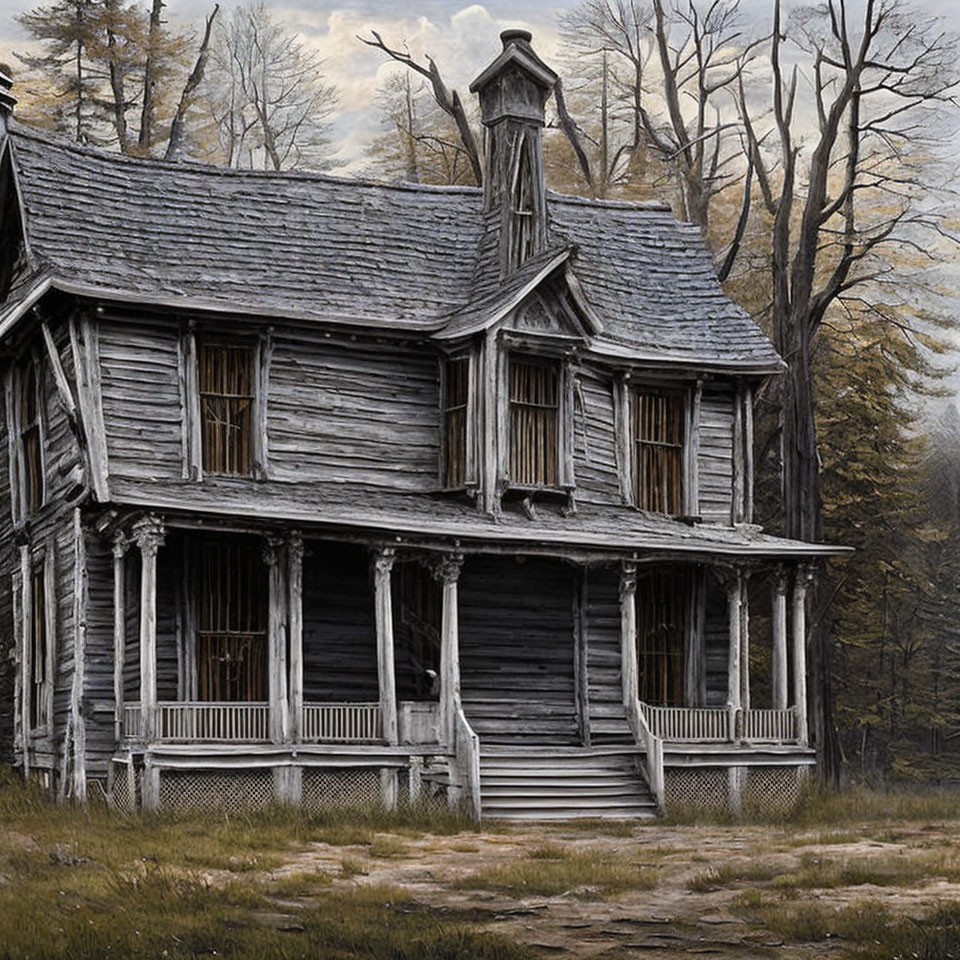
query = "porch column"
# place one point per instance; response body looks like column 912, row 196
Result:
column 148, row 534
column 447, row 571
column 628, row 634
column 803, row 575
column 745, row 641
column 780, row 638
column 276, row 640
column 734, row 583
column 383, row 565
column 120, row 544
column 295, row 614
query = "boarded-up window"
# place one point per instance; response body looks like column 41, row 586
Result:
column 658, row 452
column 231, row 616
column 456, row 386
column 523, row 238
column 661, row 605
column 31, row 452
column 40, row 692
column 225, row 379
column 534, row 423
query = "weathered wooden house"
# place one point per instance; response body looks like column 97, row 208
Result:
column 319, row 489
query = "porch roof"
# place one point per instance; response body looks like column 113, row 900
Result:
column 347, row 507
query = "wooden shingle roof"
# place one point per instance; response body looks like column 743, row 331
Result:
column 311, row 246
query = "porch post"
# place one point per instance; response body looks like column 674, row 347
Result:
column 802, row 576
column 295, row 600
column 745, row 641
column 148, row 534
column 780, row 638
column 447, row 571
column 383, row 565
column 628, row 633
column 734, row 689
column 276, row 640
column 120, row 544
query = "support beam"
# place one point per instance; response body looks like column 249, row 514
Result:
column 383, row 567
column 779, row 617
column 628, row 634
column 734, row 584
column 802, row 577
column 276, row 639
column 148, row 534
column 295, row 615
column 120, row 545
column 581, row 682
column 745, row 642
column 447, row 571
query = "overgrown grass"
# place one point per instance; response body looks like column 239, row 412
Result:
column 551, row 871
column 727, row 873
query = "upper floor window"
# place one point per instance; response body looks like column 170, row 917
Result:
column 225, row 379
column 534, row 411
column 40, row 661
column 658, row 452
column 31, row 444
column 456, row 394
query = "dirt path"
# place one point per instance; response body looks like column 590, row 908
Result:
column 686, row 913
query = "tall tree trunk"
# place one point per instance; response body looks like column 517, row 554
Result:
column 175, row 143
column 145, row 139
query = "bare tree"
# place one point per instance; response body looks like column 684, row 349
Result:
column 842, row 201
column 267, row 94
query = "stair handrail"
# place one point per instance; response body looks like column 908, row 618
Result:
column 466, row 748
column 653, row 752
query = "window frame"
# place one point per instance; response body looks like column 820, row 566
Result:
column 469, row 470
column 675, row 449
column 668, row 586
column 35, row 697
column 562, row 430
column 29, row 364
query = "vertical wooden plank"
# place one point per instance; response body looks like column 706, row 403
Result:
column 26, row 653
column 80, row 582
column 16, row 500
column 263, row 358
column 148, row 534
column 736, row 507
column 748, row 452
column 693, row 448
column 489, row 464
column 120, row 545
column 779, row 618
column 734, row 584
column 745, row 643
column 19, row 726
column 628, row 634
column 383, row 608
column 695, row 668
column 624, row 436
column 473, row 405
column 90, row 391
column 191, row 410
column 295, row 614
column 447, row 571
column 581, row 685
column 567, row 385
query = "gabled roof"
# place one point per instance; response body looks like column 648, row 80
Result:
column 321, row 248
column 517, row 50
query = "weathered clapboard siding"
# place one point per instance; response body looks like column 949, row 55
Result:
column 142, row 404
column 65, row 547
column 604, row 678
column 516, row 649
column 716, row 643
column 715, row 457
column 98, row 695
column 339, row 636
column 595, row 456
column 353, row 410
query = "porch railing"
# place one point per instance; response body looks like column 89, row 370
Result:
column 719, row 724
column 342, row 723
column 250, row 722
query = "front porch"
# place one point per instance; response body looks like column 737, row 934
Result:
column 296, row 656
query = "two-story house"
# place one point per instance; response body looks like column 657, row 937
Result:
column 320, row 490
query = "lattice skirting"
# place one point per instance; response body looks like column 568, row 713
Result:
column 703, row 788
column 772, row 788
column 324, row 787
column 708, row 788
column 230, row 790
column 123, row 793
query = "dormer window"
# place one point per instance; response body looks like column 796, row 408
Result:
column 523, row 213
column 30, row 438
column 658, row 437
column 225, row 380
column 534, row 410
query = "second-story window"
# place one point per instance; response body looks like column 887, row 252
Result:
column 456, row 394
column 31, row 446
column 41, row 670
column 534, row 423
column 225, row 379
column 658, row 452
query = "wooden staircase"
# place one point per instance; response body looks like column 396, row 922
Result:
column 523, row 782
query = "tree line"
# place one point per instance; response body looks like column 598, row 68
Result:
column 809, row 157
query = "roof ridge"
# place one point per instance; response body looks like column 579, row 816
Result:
column 20, row 130
column 659, row 206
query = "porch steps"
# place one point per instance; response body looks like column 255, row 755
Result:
column 562, row 783
column 531, row 721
